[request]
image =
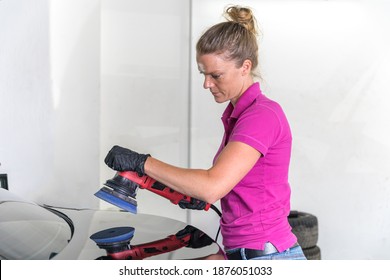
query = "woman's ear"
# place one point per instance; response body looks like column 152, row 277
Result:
column 246, row 67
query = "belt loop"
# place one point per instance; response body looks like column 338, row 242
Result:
column 243, row 254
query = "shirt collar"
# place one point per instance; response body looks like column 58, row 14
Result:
column 243, row 102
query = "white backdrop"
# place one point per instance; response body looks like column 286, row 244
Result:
column 49, row 99
column 144, row 93
column 77, row 77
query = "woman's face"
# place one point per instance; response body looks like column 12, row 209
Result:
column 222, row 77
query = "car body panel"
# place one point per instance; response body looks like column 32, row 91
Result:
column 23, row 226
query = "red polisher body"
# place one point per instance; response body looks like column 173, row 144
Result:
column 123, row 189
column 142, row 251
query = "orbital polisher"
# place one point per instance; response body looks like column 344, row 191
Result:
column 121, row 191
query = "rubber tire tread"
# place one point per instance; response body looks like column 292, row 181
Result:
column 313, row 253
column 305, row 228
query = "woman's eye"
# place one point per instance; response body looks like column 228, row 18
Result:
column 215, row 76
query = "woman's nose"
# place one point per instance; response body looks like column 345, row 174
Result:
column 207, row 83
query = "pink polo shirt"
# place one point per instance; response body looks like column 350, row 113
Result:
column 255, row 211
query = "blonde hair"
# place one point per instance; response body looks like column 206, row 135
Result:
column 236, row 38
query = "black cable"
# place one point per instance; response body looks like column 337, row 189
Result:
column 220, row 215
column 216, row 210
column 216, row 237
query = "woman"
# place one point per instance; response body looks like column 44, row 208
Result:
column 250, row 170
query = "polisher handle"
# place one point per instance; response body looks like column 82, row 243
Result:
column 150, row 184
column 142, row 251
column 144, row 182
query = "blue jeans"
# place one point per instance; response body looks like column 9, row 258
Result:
column 294, row 253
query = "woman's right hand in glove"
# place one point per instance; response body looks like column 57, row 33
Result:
column 122, row 159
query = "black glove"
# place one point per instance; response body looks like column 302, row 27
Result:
column 194, row 204
column 122, row 159
column 198, row 238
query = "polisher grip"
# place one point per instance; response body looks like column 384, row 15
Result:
column 144, row 182
column 150, row 184
column 142, row 251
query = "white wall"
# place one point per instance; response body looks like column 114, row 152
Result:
column 49, row 100
column 145, row 80
column 25, row 97
column 75, row 70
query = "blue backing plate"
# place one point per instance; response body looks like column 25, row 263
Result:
column 113, row 235
column 116, row 201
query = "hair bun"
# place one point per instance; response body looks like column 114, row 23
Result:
column 243, row 16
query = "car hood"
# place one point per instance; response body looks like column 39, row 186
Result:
column 32, row 231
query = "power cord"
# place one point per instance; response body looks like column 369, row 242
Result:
column 220, row 215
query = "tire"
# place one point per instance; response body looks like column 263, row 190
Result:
column 313, row 253
column 305, row 228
